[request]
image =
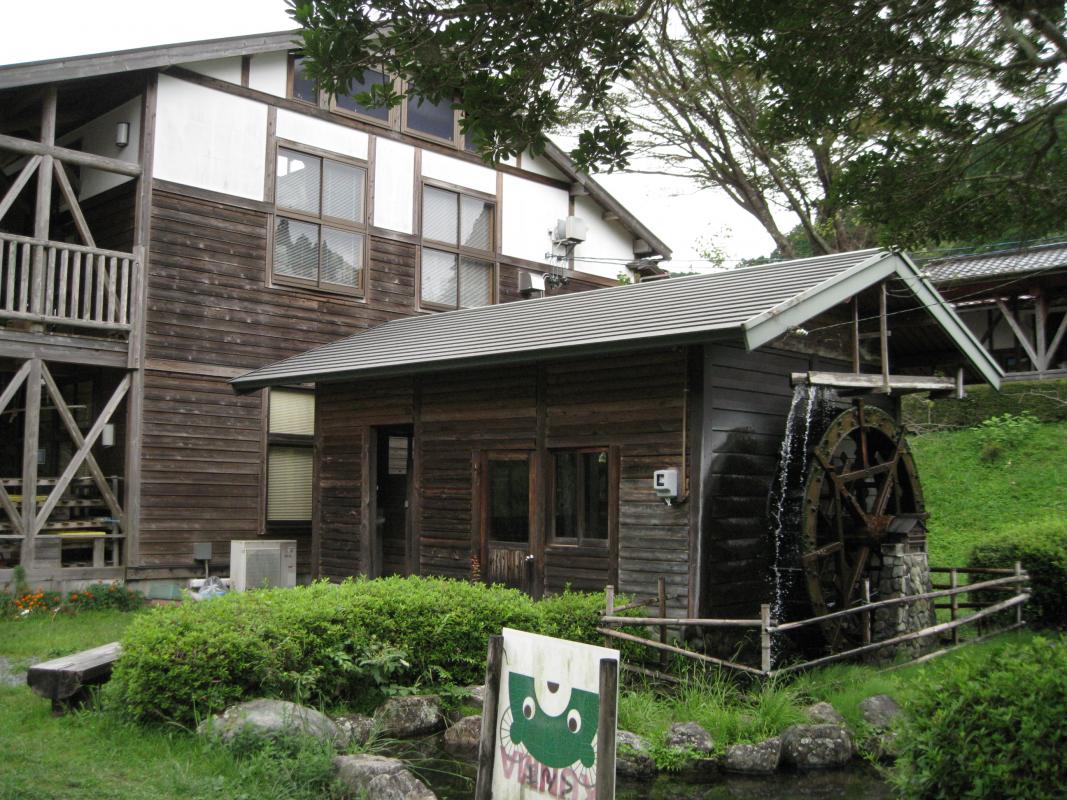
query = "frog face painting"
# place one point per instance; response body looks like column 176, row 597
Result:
column 556, row 729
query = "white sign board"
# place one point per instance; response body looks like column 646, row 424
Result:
column 548, row 712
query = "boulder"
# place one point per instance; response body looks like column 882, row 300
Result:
column 357, row 728
column 816, row 746
column 272, row 718
column 463, row 737
column 475, row 696
column 824, row 714
column 406, row 717
column 753, row 759
column 380, row 778
column 879, row 711
column 633, row 758
column 689, row 736
column 881, row 747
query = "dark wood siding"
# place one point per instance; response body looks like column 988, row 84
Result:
column 633, row 404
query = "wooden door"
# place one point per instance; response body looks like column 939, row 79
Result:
column 507, row 504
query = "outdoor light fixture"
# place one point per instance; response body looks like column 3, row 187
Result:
column 122, row 134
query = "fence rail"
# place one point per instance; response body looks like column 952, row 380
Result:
column 1014, row 581
column 67, row 284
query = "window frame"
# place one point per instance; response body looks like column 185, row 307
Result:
column 492, row 255
column 581, row 541
column 287, row 440
column 290, row 83
column 392, row 122
column 457, row 139
column 321, row 220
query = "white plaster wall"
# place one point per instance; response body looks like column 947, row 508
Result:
column 394, row 185
column 322, row 134
column 98, row 137
column 210, row 139
column 462, row 173
column 541, row 166
column 268, row 73
column 606, row 240
column 225, row 69
column 529, row 210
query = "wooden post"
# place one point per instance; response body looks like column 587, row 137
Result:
column 609, row 607
column 954, row 603
column 1041, row 330
column 883, row 335
column 661, row 590
column 856, row 334
column 43, row 209
column 1018, row 589
column 605, row 732
column 765, row 638
column 866, row 614
column 483, row 790
column 30, row 439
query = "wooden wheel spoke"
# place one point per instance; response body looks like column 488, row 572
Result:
column 857, row 510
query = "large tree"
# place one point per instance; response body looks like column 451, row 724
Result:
column 924, row 119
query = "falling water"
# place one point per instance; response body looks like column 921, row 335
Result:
column 812, row 407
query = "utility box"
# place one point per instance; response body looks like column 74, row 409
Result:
column 259, row 563
column 665, row 482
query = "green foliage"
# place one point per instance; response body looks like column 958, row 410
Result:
column 1047, row 401
column 991, row 728
column 327, row 644
column 301, row 764
column 1041, row 546
column 97, row 597
column 971, row 501
column 1005, row 433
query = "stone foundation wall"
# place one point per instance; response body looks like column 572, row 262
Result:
column 895, row 572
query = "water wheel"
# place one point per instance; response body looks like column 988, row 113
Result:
column 861, row 491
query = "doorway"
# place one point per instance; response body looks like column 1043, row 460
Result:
column 392, row 518
column 507, row 502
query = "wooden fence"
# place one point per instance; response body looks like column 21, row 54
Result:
column 1011, row 581
column 68, row 284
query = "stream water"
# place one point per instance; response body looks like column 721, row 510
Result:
column 454, row 780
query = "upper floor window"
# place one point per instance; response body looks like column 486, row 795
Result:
column 436, row 120
column 348, row 104
column 457, row 249
column 302, row 87
column 320, row 224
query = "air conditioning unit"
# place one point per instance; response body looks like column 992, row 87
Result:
column 570, row 231
column 257, row 563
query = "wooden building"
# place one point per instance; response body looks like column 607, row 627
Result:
column 173, row 217
column 518, row 443
column 1015, row 301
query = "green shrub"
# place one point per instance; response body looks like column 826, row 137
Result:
column 988, row 728
column 326, row 643
column 1041, row 546
column 1047, row 400
column 1000, row 435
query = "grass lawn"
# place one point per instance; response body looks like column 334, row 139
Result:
column 970, row 499
column 45, row 636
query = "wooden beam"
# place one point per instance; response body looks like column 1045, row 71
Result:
column 850, row 380
column 1040, row 327
column 83, row 454
column 82, row 159
column 1020, row 335
column 5, row 398
column 20, row 182
column 1057, row 339
column 883, row 333
column 856, row 363
column 30, row 438
column 72, row 204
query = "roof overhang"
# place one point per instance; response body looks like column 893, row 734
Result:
column 779, row 320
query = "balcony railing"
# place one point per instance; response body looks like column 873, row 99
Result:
column 66, row 284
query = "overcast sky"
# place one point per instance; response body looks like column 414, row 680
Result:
column 672, row 208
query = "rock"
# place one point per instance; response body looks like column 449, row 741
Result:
column 271, row 718
column 824, row 714
column 881, row 747
column 816, row 746
column 463, row 737
column 357, row 728
column 753, row 759
column 879, row 711
column 633, row 758
column 690, row 736
column 380, row 778
column 406, row 717
column 475, row 697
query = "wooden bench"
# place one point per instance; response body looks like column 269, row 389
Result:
column 64, row 680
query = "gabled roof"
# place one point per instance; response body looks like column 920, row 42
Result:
column 32, row 73
column 1016, row 261
column 759, row 304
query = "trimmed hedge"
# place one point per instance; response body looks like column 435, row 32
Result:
column 988, row 728
column 326, row 643
column 1041, row 546
column 983, row 402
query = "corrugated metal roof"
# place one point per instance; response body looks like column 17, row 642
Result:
column 673, row 309
column 999, row 262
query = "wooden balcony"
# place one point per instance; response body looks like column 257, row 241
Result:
column 68, row 285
